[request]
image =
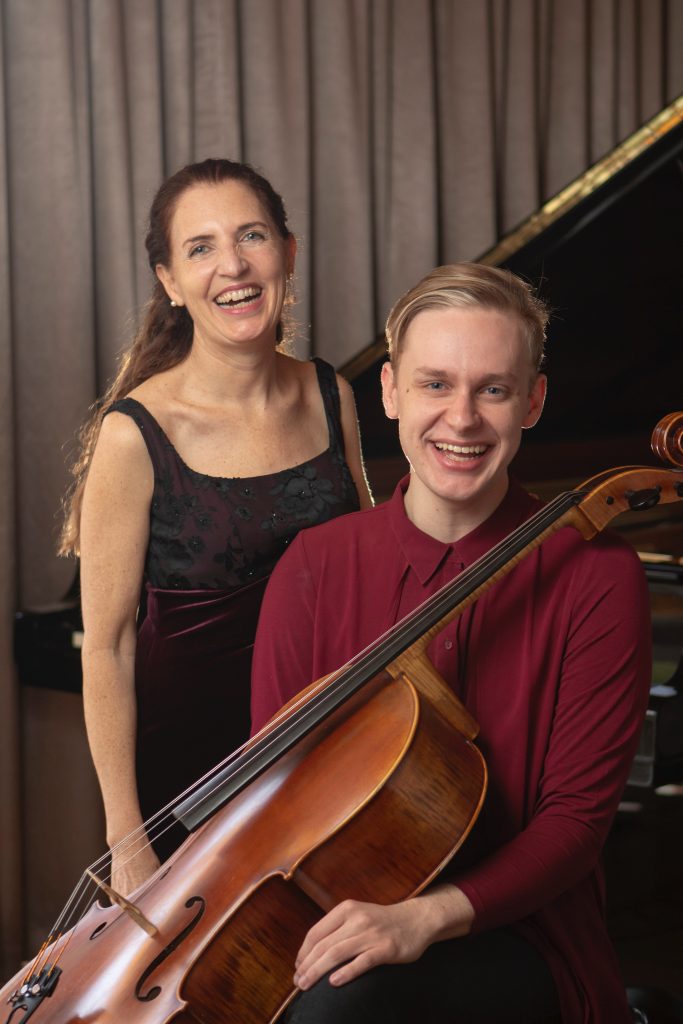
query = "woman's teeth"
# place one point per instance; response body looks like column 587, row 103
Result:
column 239, row 295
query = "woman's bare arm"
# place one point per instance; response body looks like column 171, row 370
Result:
column 114, row 537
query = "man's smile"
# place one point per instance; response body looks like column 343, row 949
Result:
column 461, row 452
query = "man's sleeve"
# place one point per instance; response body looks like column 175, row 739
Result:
column 283, row 651
column 599, row 714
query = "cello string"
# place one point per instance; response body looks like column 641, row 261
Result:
column 58, row 930
column 70, row 909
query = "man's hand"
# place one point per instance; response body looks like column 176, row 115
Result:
column 363, row 935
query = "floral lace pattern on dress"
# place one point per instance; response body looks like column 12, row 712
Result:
column 218, row 533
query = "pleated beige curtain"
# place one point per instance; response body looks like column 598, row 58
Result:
column 402, row 133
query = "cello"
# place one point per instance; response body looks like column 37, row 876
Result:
column 213, row 935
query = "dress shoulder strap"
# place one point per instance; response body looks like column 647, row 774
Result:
column 327, row 382
column 158, row 445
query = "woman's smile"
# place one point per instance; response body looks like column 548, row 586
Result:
column 229, row 266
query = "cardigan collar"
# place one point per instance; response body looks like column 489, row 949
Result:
column 426, row 555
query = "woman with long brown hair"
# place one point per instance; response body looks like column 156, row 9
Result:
column 209, row 452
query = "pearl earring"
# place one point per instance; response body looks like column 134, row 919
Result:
column 174, row 303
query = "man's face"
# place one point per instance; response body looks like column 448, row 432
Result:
column 463, row 390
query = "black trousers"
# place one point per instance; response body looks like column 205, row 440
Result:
column 493, row 978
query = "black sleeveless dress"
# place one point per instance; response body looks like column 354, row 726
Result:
column 212, row 546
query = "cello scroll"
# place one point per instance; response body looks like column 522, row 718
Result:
column 634, row 488
column 667, row 439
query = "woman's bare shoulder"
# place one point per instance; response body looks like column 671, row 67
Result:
column 120, row 441
column 160, row 396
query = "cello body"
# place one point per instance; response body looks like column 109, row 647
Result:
column 232, row 906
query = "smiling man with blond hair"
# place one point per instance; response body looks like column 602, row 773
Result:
column 553, row 661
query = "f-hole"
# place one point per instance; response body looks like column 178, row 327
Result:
column 146, row 997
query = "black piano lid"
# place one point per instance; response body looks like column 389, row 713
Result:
column 607, row 254
column 633, row 161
